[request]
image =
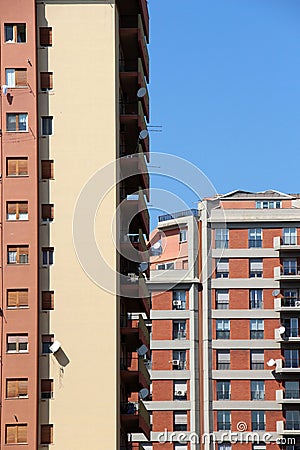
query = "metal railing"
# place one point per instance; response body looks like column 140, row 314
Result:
column 292, row 425
column 178, row 215
column 292, row 271
column 291, row 393
column 291, row 302
column 291, row 331
column 292, row 363
column 290, row 240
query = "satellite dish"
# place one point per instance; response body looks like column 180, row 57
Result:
column 157, row 245
column 271, row 362
column 142, row 350
column 143, row 393
column 281, row 330
column 141, row 92
column 143, row 134
column 55, row 347
column 276, row 292
column 143, row 266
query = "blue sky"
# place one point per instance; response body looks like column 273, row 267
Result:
column 225, row 86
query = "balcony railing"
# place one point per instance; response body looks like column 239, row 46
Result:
column 289, row 242
column 292, row 425
column 292, row 394
column 178, row 215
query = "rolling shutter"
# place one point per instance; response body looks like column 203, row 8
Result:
column 45, row 36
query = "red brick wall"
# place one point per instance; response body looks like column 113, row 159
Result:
column 238, row 238
column 162, row 390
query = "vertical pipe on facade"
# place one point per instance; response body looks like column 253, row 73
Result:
column 2, row 247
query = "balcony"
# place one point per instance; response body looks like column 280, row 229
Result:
column 135, row 215
column 134, row 373
column 287, row 304
column 133, row 41
column 284, row 274
column 287, row 243
column 288, row 427
column 288, row 366
column 289, row 335
column 136, row 7
column 134, row 172
column 131, row 113
column 135, row 418
column 134, row 332
column 136, row 294
column 288, row 396
column 134, row 248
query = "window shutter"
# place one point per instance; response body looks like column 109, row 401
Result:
column 46, row 80
column 48, row 300
column 11, row 208
column 23, row 208
column 48, row 212
column 46, row 385
column 23, row 297
column 45, row 36
column 23, row 387
column 46, row 434
column 21, row 434
column 11, row 388
column 23, row 166
column 21, row 77
column 12, row 299
column 11, row 167
column 11, row 434
column 47, row 169
column 24, row 250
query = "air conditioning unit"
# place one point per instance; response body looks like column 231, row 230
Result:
column 297, row 303
column 176, row 362
column 180, row 393
column 177, row 302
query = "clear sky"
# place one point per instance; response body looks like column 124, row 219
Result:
column 225, row 86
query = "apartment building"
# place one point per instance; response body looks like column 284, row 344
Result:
column 74, row 98
column 174, row 286
column 250, row 319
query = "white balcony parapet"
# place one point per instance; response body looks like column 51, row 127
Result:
column 277, row 242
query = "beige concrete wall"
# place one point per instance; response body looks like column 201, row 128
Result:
column 83, row 104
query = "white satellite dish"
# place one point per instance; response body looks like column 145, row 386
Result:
column 271, row 362
column 143, row 135
column 143, row 266
column 55, row 347
column 281, row 330
column 276, row 292
column 142, row 350
column 143, row 393
column 141, row 92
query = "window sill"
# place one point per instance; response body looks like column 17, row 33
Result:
column 17, row 176
column 17, row 308
column 17, row 398
column 17, row 220
column 17, row 131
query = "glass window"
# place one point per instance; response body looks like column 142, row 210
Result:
column 291, row 389
column 224, row 420
column 256, row 298
column 223, row 328
column 222, row 299
column 223, row 359
column 256, row 268
column 258, row 420
column 179, row 329
column 289, row 236
column 222, row 268
column 179, row 299
column 221, row 238
column 223, row 390
column 256, row 329
column 257, row 359
column 183, row 236
column 17, row 122
column 290, row 266
column 47, row 126
column 255, row 237
column 257, row 390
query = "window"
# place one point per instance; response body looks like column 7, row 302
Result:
column 46, row 434
column 183, row 236
column 289, row 236
column 292, row 419
column 256, row 298
column 291, row 390
column 45, row 36
column 256, row 329
column 47, row 169
column 17, row 122
column 223, row 390
column 47, row 213
column 16, row 167
column 47, row 341
column 17, row 298
column 16, row 78
column 179, row 360
column 255, row 237
column 16, row 434
column 224, row 420
column 180, row 390
column 290, row 266
column 268, row 204
column 14, row 33
column 223, row 359
column 221, row 238
column 17, row 211
column 180, row 421
column 48, row 300
column 223, row 328
column 291, row 358
column 185, row 264
column 291, row 327
column 257, row 359
column 222, row 299
column 179, row 299
column 259, row 446
column 48, row 256
column 46, row 79
column 46, row 389
column 291, row 296
column 224, row 446
column 257, row 390
column 18, row 255
column 166, row 266
column 179, row 329
column 256, row 268
column 47, row 125
column 222, row 269
column 17, row 343
column 258, row 420
column 17, row 388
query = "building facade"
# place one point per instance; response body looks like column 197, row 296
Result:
column 74, row 98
